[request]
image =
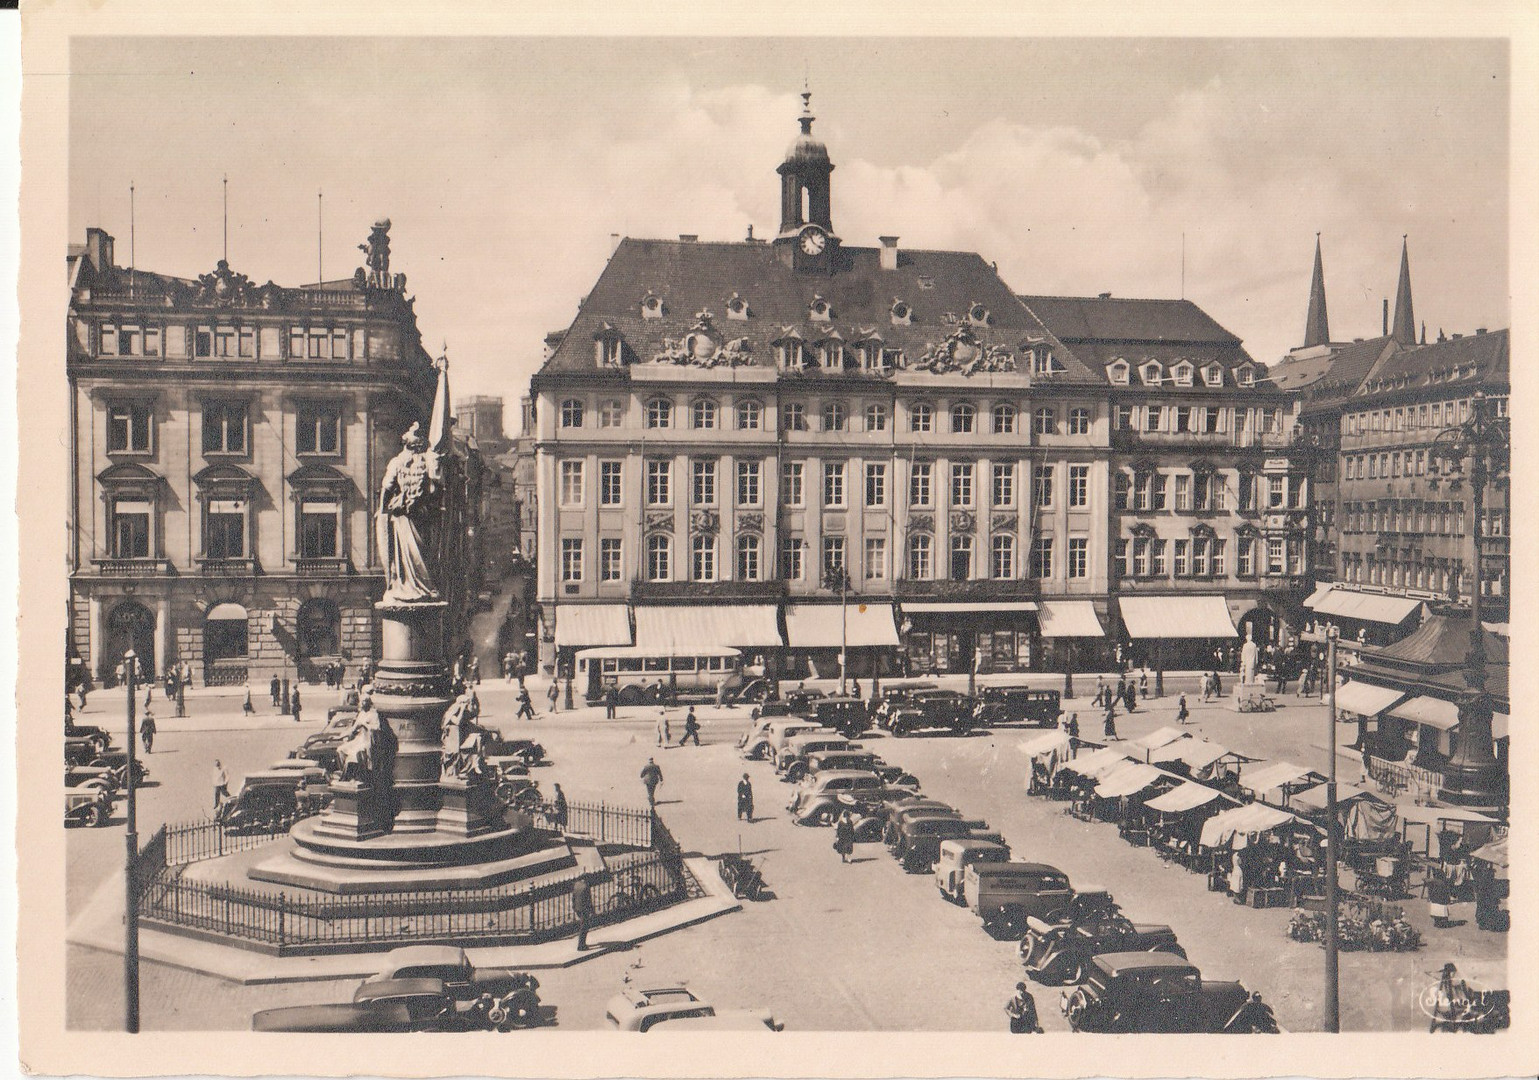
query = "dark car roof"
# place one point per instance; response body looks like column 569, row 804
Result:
column 400, row 988
column 1124, row 962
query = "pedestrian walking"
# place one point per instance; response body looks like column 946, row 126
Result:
column 1218, row 685
column 553, row 693
column 1143, row 683
column 147, row 732
column 1109, row 724
column 558, row 809
column 721, row 693
column 525, row 705
column 745, row 800
column 294, row 704
column 181, row 698
column 187, row 673
column 1072, row 727
column 149, row 693
column 475, row 670
column 1130, row 699
column 1100, row 691
column 83, row 690
column 275, row 688
column 651, row 777
column 611, row 701
column 691, row 728
column 582, row 907
column 664, row 732
column 844, row 836
column 221, row 785
column 1183, row 714
column 247, row 708
column 1022, row 1010
column 170, row 680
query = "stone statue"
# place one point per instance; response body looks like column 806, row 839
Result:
column 1249, row 652
column 358, row 755
column 463, row 740
column 408, row 503
column 376, row 253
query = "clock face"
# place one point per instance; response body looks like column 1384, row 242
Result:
column 813, row 242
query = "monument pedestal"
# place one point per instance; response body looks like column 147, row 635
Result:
column 357, row 812
column 469, row 807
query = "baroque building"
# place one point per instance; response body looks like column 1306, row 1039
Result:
column 728, row 432
column 227, row 439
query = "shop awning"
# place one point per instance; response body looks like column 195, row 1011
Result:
column 1249, row 820
column 1365, row 699
column 1069, row 619
column 1152, row 617
column 1159, row 737
column 817, row 626
column 1266, row 777
column 1132, row 777
column 1314, row 798
column 1187, row 796
column 738, row 626
column 1049, row 742
column 226, row 613
column 1097, row 763
column 1318, row 595
column 962, row 607
column 1193, row 753
column 1494, row 853
column 582, row 626
column 1431, row 711
column 1369, row 607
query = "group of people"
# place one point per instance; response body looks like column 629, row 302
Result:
column 665, row 728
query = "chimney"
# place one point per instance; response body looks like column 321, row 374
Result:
column 99, row 248
column 889, row 252
column 1103, row 296
column 1386, row 317
column 1481, row 329
column 688, row 237
column 614, row 242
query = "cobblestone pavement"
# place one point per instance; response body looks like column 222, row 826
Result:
column 856, row 947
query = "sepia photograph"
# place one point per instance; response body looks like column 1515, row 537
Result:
column 778, row 534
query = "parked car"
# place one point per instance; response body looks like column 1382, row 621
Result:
column 87, row 733
column 321, row 747
column 894, row 776
column 89, row 776
column 515, row 994
column 270, row 801
column 893, row 811
column 821, row 799
column 394, row 1005
column 1017, row 705
column 798, row 747
column 919, row 837
column 1005, row 895
column 115, row 762
column 1060, row 951
column 775, row 734
column 1155, row 992
column 639, row 1009
column 846, row 715
column 794, row 703
column 954, row 859
column 525, row 751
column 89, row 805
column 930, row 710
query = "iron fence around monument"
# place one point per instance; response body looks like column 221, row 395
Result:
column 609, row 824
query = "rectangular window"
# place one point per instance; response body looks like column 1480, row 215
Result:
column 1275, row 492
column 1002, row 557
column 961, row 483
column 224, row 427
column 659, row 557
column 318, row 428
column 833, row 556
column 876, row 418
column 225, row 339
column 128, row 429
column 791, row 565
column 1183, row 492
column 1042, row 485
column 225, row 529
column 702, row 482
column 1079, row 557
column 247, row 343
column 961, row 557
column 1184, row 418
column 748, row 558
column 611, row 414
column 318, row 530
column 1120, row 556
column 1154, row 417
column 920, row 547
column 1122, row 418
column 1003, row 493
column 659, row 413
column 130, row 529
column 791, row 476
column 572, row 475
column 1122, row 490
column 571, row 559
column 876, row 558
column 1210, row 423
column 609, row 559
column 611, row 483
column 833, row 484
column 1181, row 565
column 920, row 491
column 1274, row 555
column 659, row 482
column 748, row 478
column 1141, row 556
column 1042, row 557
column 1079, row 421
column 1079, row 488
column 1246, row 557
column 1204, row 485
column 921, row 417
column 793, row 416
column 1157, row 557
column 876, row 484
column 703, row 558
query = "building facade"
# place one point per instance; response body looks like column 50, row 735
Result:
column 227, row 440
column 798, row 447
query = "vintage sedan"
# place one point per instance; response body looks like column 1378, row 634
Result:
column 799, row 747
column 86, row 735
column 392, row 1006
column 1007, row 895
column 919, row 836
column 768, row 742
column 89, row 805
column 1155, row 992
column 271, row 800
column 894, row 776
column 321, row 747
column 846, row 715
column 956, row 856
column 1060, row 951
column 1017, row 705
column 640, row 1009
column 115, row 762
column 821, row 799
column 930, row 710
column 510, row 997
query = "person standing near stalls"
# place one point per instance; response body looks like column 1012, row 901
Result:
column 1109, row 723
column 745, row 800
column 1183, row 714
column 553, row 693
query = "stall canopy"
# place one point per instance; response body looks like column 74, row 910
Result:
column 1188, row 796
column 1265, row 776
column 1069, row 619
column 1159, row 737
column 1364, row 815
column 1148, row 617
column 1314, row 798
column 1127, row 780
column 1365, row 699
column 585, row 625
column 1368, row 607
column 1494, row 853
column 931, row 606
column 817, row 626
column 1049, row 742
column 1101, row 761
column 1193, row 753
column 1434, row 712
column 675, row 626
column 1246, row 821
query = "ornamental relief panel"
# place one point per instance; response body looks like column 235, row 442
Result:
column 752, row 520
column 704, row 521
column 962, row 521
column 921, row 523
column 1003, row 522
column 659, row 521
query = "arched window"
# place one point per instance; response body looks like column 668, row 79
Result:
column 1004, row 419
column 224, row 633
column 702, row 413
column 319, row 628
column 659, row 413
column 962, row 417
column 130, row 625
column 961, row 556
column 702, row 552
column 921, row 555
column 659, row 557
column 749, row 415
column 749, row 557
column 1002, row 556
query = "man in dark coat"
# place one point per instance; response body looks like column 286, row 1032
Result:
column 147, row 731
column 525, row 705
column 651, row 776
column 745, row 799
column 1022, row 1010
column 611, row 701
column 691, row 728
column 582, row 907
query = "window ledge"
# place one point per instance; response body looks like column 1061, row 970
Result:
column 242, row 566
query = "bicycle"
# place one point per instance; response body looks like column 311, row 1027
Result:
column 633, row 895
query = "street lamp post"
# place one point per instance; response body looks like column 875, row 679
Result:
column 1332, row 929
column 836, row 577
column 130, row 878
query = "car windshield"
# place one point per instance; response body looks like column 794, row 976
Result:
column 668, row 997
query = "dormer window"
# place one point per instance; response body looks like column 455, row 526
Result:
column 1245, row 375
column 790, row 350
column 1040, row 357
column 1151, row 373
column 902, row 314
column 978, row 315
column 1213, row 375
column 608, row 347
column 652, row 306
column 831, row 353
column 737, row 308
column 1182, row 373
column 819, row 310
column 1118, row 371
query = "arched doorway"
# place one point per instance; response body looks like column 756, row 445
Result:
column 225, row 645
column 318, row 629
column 130, row 625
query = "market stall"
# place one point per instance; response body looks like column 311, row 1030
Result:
column 1046, row 753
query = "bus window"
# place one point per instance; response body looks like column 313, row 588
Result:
column 683, row 663
column 655, row 663
column 630, row 663
column 610, row 665
column 712, row 663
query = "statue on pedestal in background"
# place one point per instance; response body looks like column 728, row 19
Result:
column 1249, row 654
column 463, row 740
column 376, row 253
column 408, row 504
column 358, row 755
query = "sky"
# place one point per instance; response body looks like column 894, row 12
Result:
column 1076, row 164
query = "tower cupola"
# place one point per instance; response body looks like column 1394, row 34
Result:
column 804, row 179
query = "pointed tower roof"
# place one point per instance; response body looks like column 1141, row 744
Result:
column 1317, row 328
column 1403, row 329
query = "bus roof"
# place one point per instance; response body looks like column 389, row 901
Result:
column 611, row 652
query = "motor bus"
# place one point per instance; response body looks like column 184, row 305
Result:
column 686, row 671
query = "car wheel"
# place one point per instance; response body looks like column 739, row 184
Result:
column 522, row 1009
column 825, row 815
column 93, row 817
column 795, row 773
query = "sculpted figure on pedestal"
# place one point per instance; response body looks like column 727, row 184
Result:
column 408, row 503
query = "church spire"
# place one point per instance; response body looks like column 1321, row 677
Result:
column 1403, row 329
column 1317, row 328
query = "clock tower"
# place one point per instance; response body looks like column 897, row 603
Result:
column 806, row 239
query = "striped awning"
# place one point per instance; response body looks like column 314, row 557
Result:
column 1365, row 699
column 583, row 626
column 1069, row 619
column 737, row 626
column 1176, row 617
column 1431, row 711
column 821, row 626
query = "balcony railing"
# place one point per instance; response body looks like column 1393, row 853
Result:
column 1127, row 438
column 324, row 566
column 136, row 567
column 712, row 590
column 229, row 567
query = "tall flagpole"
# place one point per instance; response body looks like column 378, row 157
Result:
column 226, row 182
column 132, row 262
column 320, row 272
